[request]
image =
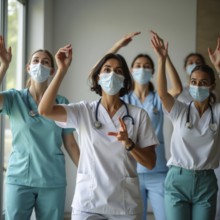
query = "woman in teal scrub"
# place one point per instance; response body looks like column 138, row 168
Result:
column 36, row 177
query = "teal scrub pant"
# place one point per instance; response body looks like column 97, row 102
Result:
column 190, row 195
column 47, row 202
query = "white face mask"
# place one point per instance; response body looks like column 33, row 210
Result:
column 39, row 72
column 190, row 67
column 111, row 83
column 199, row 93
column 142, row 75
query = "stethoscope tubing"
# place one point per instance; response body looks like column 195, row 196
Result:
column 98, row 124
column 189, row 125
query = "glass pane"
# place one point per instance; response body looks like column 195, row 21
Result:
column 15, row 13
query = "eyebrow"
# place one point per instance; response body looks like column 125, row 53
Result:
column 45, row 58
column 118, row 67
column 200, row 80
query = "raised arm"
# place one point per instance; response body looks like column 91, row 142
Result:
column 161, row 51
column 47, row 108
column 124, row 41
column 176, row 85
column 5, row 59
column 215, row 56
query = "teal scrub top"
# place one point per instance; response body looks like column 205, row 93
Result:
column 36, row 158
column 153, row 106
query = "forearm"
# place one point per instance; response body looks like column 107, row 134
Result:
column 145, row 156
column 71, row 147
column 176, row 85
column 3, row 70
column 161, row 79
column 114, row 49
column 47, row 102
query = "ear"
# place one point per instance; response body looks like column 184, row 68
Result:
column 212, row 87
column 28, row 68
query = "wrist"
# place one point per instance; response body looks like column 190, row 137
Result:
column 130, row 146
column 4, row 67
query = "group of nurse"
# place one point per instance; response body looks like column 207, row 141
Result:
column 121, row 138
column 105, row 132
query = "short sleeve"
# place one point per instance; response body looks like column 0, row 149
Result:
column 64, row 100
column 146, row 133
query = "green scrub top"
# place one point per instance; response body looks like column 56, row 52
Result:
column 36, row 159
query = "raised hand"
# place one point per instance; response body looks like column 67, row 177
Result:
column 5, row 54
column 122, row 134
column 160, row 48
column 215, row 56
column 64, row 57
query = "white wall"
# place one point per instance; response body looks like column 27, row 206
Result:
column 92, row 26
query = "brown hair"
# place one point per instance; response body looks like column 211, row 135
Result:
column 94, row 86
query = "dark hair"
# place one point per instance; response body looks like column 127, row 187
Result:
column 150, row 84
column 210, row 72
column 96, row 71
column 28, row 83
column 201, row 57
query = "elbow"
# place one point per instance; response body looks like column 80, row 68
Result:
column 178, row 91
column 42, row 111
column 151, row 165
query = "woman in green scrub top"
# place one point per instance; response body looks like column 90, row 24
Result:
column 36, row 177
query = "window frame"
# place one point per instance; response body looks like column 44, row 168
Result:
column 19, row 83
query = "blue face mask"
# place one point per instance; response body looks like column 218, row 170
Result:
column 189, row 68
column 39, row 72
column 111, row 83
column 142, row 75
column 199, row 93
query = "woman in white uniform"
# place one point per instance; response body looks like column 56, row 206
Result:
column 114, row 136
column 144, row 96
column 191, row 185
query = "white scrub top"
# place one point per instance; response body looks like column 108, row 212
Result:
column 107, row 180
column 196, row 148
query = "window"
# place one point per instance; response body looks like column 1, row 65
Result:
column 12, row 27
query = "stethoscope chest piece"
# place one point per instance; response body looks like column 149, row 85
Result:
column 32, row 113
column 97, row 124
column 189, row 125
column 213, row 127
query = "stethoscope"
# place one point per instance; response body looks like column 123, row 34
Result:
column 98, row 124
column 212, row 126
column 31, row 112
column 155, row 110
